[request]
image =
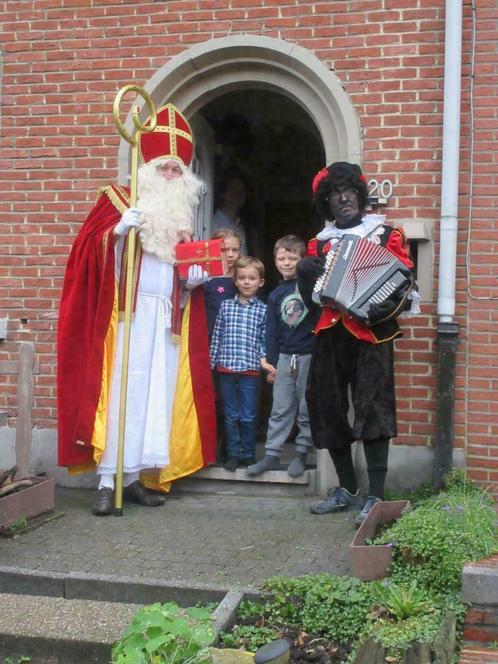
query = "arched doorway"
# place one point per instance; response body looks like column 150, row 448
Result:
column 273, row 144
column 213, row 68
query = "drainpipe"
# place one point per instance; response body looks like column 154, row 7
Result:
column 447, row 331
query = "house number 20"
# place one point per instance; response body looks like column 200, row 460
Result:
column 379, row 192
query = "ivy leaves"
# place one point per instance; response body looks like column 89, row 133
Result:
column 163, row 633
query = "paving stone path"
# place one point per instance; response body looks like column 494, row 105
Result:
column 227, row 540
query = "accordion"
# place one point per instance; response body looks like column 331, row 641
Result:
column 358, row 273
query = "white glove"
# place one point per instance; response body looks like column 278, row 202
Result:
column 196, row 277
column 131, row 218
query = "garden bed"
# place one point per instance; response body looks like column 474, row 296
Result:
column 27, row 502
column 413, row 616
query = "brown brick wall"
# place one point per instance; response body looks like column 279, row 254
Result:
column 481, row 624
column 64, row 61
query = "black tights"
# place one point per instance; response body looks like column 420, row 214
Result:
column 376, row 452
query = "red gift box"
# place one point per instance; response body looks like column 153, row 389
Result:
column 210, row 254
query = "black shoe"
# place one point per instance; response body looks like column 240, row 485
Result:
column 249, row 461
column 232, row 464
column 104, row 504
column 137, row 493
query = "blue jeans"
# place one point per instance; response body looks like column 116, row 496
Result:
column 239, row 396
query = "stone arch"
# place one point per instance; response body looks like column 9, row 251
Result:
column 212, row 68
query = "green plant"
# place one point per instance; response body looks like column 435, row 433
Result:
column 249, row 610
column 421, row 492
column 249, row 637
column 401, row 602
column 163, row 634
column 418, row 626
column 336, row 607
column 17, row 525
column 323, row 605
column 434, row 541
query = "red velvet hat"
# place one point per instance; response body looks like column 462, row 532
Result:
column 171, row 139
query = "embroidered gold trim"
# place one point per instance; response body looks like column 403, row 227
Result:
column 119, row 203
column 177, row 132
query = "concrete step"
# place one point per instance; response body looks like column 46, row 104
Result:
column 215, row 479
column 75, row 619
column 66, row 631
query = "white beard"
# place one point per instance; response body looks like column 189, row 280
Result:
column 168, row 207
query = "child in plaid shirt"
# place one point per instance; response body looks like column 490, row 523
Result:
column 237, row 347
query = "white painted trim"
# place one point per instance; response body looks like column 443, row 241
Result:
column 207, row 70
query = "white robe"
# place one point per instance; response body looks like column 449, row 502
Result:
column 152, row 373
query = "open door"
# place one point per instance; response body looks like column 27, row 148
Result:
column 203, row 166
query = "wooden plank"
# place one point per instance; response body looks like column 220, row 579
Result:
column 24, row 406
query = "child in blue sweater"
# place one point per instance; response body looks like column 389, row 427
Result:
column 289, row 341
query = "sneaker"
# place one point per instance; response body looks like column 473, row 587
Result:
column 337, row 499
column 232, row 464
column 367, row 508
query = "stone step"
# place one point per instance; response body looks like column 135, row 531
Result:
column 215, row 479
column 477, row 655
column 66, row 631
column 53, row 629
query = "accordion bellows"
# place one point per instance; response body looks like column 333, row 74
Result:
column 358, row 273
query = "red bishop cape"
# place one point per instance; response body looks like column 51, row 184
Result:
column 85, row 348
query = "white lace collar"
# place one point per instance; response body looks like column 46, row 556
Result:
column 371, row 224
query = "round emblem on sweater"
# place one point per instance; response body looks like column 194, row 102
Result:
column 293, row 309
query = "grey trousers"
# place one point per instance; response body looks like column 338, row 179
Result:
column 289, row 400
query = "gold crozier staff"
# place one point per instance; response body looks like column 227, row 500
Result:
column 130, row 262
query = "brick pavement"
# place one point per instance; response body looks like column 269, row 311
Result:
column 227, row 540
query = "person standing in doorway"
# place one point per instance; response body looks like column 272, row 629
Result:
column 231, row 199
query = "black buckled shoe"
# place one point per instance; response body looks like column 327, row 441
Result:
column 104, row 504
column 137, row 493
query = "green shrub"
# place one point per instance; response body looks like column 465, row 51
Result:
column 249, row 637
column 336, row 607
column 433, row 542
column 397, row 630
column 324, row 605
column 163, row 634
